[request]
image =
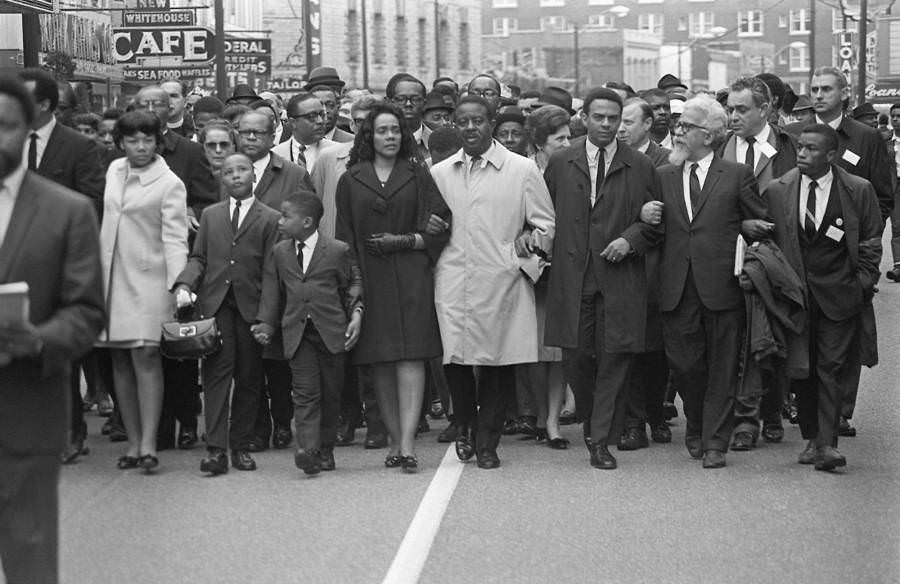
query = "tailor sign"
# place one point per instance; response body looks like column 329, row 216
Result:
column 163, row 47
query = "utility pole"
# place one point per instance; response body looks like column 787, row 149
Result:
column 437, row 40
column 31, row 39
column 221, row 80
column 365, row 46
column 861, row 61
column 812, row 35
column 577, row 58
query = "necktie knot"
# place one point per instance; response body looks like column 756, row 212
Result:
column 751, row 140
column 813, row 185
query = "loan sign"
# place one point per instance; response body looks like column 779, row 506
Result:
column 163, row 46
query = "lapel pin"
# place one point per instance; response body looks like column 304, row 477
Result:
column 839, row 222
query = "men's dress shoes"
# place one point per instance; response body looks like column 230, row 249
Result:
column 187, row 439
column 602, row 458
column 450, row 434
column 465, row 446
column 346, row 435
column 828, row 458
column 742, row 441
column 661, row 433
column 713, row 459
column 510, row 427
column 282, row 437
column 488, row 459
column 437, row 410
column 694, row 446
column 669, row 411
column 893, row 275
column 375, row 440
column 528, row 426
column 241, row 460
column 423, row 426
column 73, row 450
column 215, row 463
column 633, row 439
column 326, row 460
column 589, row 444
column 773, row 433
column 258, row 444
column 309, row 461
column 845, row 429
column 808, row 456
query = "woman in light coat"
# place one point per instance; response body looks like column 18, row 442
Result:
column 143, row 240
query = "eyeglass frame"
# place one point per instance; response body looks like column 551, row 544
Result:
column 687, row 127
column 311, row 116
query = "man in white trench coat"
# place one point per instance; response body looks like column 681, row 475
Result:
column 485, row 303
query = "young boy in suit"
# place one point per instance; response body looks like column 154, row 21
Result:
column 313, row 290
column 225, row 270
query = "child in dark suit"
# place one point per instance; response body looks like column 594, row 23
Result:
column 225, row 270
column 313, row 290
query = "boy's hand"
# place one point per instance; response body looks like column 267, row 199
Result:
column 352, row 334
column 262, row 333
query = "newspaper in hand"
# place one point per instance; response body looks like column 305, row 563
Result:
column 14, row 302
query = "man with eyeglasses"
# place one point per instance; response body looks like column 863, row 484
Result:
column 707, row 202
column 487, row 87
column 408, row 93
column 308, row 122
column 329, row 98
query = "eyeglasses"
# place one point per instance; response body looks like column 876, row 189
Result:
column 687, row 127
column 151, row 103
column 483, row 92
column 253, row 133
column 217, row 145
column 415, row 100
column 311, row 116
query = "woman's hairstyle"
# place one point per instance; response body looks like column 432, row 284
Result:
column 544, row 121
column 218, row 124
column 88, row 119
column 363, row 145
column 134, row 122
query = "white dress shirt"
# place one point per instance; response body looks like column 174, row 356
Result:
column 833, row 123
column 259, row 167
column 593, row 158
column 702, row 170
column 740, row 148
column 43, row 134
column 309, row 245
column 896, row 142
column 823, row 190
column 244, row 208
column 9, row 192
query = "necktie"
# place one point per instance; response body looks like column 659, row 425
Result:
column 301, row 157
column 748, row 158
column 695, row 188
column 601, row 175
column 809, row 222
column 32, row 152
column 235, row 216
column 300, row 256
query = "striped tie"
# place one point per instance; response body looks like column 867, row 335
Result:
column 809, row 222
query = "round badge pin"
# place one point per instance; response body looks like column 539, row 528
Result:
column 839, row 222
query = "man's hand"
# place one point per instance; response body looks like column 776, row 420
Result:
column 184, row 297
column 524, row 246
column 262, row 333
column 193, row 223
column 651, row 212
column 352, row 334
column 616, row 251
column 380, row 244
column 436, row 225
column 757, row 229
column 18, row 340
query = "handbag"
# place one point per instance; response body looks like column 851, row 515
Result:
column 190, row 339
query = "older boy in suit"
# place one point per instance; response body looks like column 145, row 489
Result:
column 313, row 290
column 226, row 270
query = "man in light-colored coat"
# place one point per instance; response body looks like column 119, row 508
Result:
column 485, row 304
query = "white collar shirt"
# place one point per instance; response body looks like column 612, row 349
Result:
column 896, row 142
column 593, row 159
column 835, row 123
column 740, row 149
column 259, row 167
column 9, row 192
column 702, row 170
column 308, row 246
column 823, row 191
column 310, row 153
column 643, row 147
column 242, row 210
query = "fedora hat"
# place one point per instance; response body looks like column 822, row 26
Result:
column 555, row 96
column 866, row 109
column 668, row 80
column 803, row 103
column 435, row 100
column 324, row 76
column 242, row 92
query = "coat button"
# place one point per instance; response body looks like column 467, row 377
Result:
column 228, row 281
column 231, row 262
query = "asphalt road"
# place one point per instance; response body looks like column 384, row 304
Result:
column 544, row 517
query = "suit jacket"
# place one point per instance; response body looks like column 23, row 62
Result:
column 706, row 245
column 221, row 259
column 785, row 157
column 583, row 232
column 280, row 179
column 75, row 162
column 187, row 160
column 658, row 155
column 51, row 243
column 328, row 292
column 328, row 170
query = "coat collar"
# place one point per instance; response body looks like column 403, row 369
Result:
column 147, row 175
column 400, row 175
column 496, row 155
column 275, row 165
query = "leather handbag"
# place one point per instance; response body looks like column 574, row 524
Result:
column 190, row 339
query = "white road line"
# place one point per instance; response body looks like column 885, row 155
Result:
column 414, row 549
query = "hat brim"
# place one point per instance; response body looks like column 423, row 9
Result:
column 330, row 81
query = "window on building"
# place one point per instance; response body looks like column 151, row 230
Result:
column 553, row 23
column 649, row 1
column 799, row 21
column 750, row 23
column 682, row 24
column 379, row 41
column 782, row 21
column 505, row 25
column 601, row 2
column 401, row 42
column 400, row 8
column 506, row 4
column 651, row 22
column 464, row 57
column 839, row 23
column 602, row 20
column 701, row 23
column 552, row 3
column 798, row 59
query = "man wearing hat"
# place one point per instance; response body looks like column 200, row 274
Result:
column 866, row 114
column 436, row 113
column 555, row 96
column 671, row 85
column 326, row 85
column 243, row 95
column 803, row 112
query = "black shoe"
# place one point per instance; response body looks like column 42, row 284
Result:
column 567, row 419
column 423, row 426
column 828, row 458
column 73, row 450
column 410, row 464
column 808, row 456
column 773, row 433
column 661, row 433
column 149, row 463
column 669, row 411
column 510, row 427
column 633, row 439
column 281, row 437
column 558, row 443
column 437, row 410
column 742, row 442
column 106, row 428
column 393, row 461
column 346, row 435
column 187, row 439
column 528, row 426
column 488, row 459
column 374, row 441
column 694, row 446
column 713, row 459
column 326, row 460
column 309, row 461
column 215, row 463
column 117, row 434
column 893, row 275
column 845, row 429
column 258, row 444
column 602, row 458
column 241, row 460
column 589, row 444
column 465, row 446
column 450, row 434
